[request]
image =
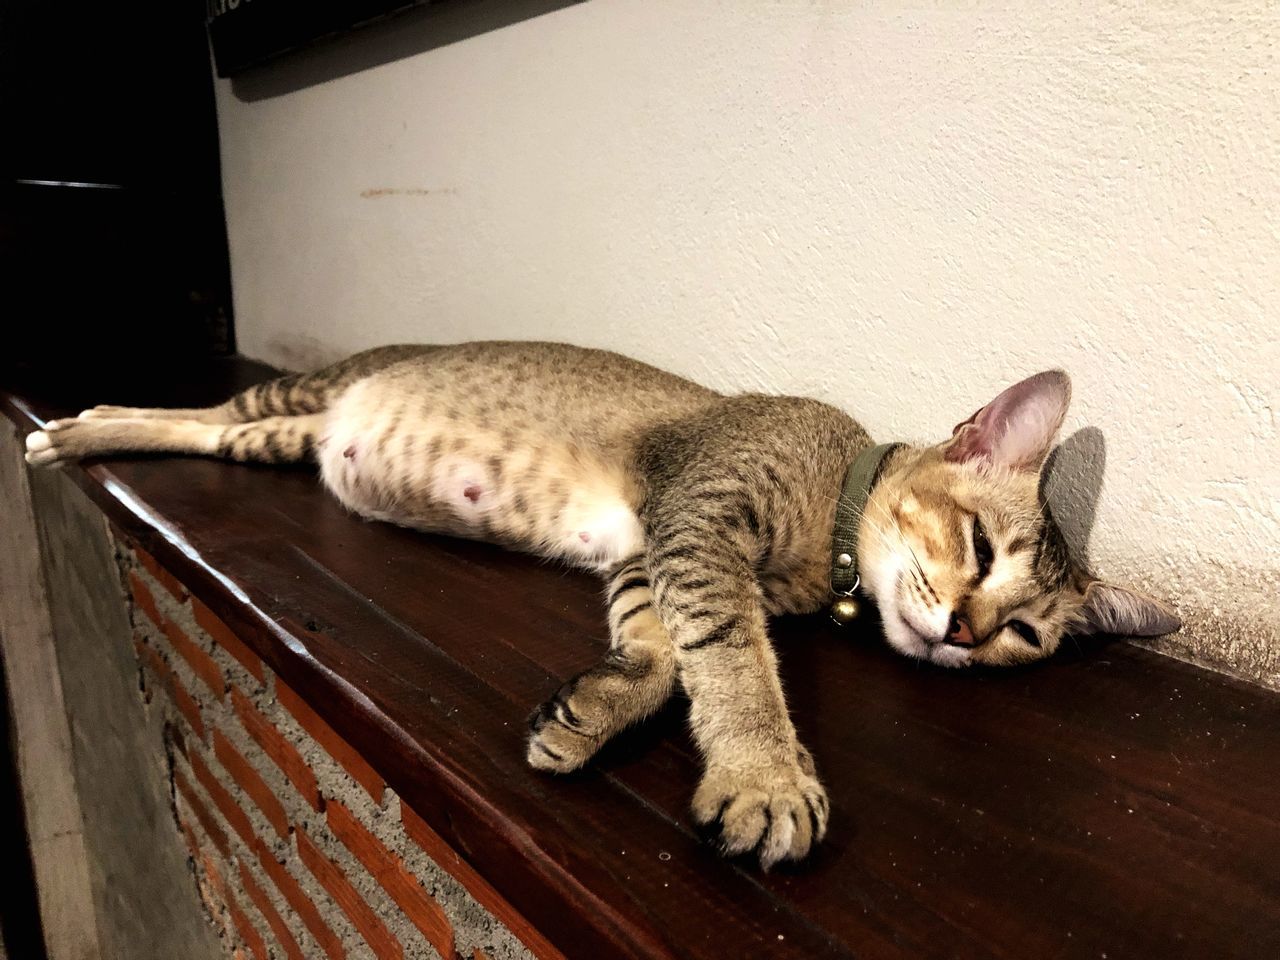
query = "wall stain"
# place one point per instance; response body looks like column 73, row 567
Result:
column 405, row 192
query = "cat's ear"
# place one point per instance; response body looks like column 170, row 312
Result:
column 1017, row 428
column 1125, row 613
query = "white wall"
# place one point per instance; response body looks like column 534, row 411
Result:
column 898, row 207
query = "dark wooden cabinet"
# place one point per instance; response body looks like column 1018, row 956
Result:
column 112, row 236
column 245, row 34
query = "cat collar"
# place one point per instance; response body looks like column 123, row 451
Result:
column 858, row 481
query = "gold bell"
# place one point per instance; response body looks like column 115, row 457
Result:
column 845, row 610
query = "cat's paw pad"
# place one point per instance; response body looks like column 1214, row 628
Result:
column 777, row 812
column 558, row 742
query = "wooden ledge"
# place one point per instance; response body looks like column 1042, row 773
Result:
column 1113, row 803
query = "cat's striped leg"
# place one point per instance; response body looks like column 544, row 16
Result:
column 294, row 395
column 759, row 792
column 634, row 679
column 274, row 440
column 297, row 394
column 105, row 411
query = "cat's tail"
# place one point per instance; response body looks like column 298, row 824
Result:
column 295, row 395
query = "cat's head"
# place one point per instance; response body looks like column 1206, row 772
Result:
column 965, row 563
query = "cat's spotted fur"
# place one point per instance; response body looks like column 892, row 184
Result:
column 706, row 513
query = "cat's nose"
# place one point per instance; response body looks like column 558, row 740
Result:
column 959, row 632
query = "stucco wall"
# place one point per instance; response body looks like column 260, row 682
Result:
column 896, row 207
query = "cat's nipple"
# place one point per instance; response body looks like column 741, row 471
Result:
column 350, row 452
column 584, row 536
column 472, row 492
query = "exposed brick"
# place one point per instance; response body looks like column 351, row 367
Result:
column 188, row 834
column 390, row 872
column 223, row 800
column 148, row 654
column 222, row 635
column 328, row 738
column 283, row 935
column 214, row 877
column 301, row 903
column 206, row 820
column 186, row 704
column 273, row 743
column 202, row 665
column 385, row 945
column 250, row 782
column 165, row 578
column 144, row 599
column 187, row 707
column 244, row 926
column 182, row 699
column 435, row 847
column 204, row 885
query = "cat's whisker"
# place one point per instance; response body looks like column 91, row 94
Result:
column 902, row 537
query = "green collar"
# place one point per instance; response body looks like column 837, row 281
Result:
column 858, row 481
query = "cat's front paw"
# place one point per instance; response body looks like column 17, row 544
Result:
column 559, row 741
column 778, row 811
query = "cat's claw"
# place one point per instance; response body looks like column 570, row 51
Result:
column 777, row 812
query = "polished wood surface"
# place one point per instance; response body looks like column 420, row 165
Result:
column 1110, row 802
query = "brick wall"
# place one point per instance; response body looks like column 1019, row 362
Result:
column 298, row 848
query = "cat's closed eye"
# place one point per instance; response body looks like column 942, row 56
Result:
column 982, row 549
column 1025, row 631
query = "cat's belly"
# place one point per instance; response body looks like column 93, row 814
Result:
column 524, row 490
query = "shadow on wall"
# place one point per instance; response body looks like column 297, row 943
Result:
column 1071, row 485
column 405, row 35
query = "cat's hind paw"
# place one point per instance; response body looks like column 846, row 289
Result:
column 45, row 447
column 777, row 812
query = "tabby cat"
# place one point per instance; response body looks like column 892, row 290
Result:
column 705, row 513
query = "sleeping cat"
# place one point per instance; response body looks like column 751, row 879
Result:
column 705, row 513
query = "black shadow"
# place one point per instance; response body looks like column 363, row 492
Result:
column 1071, row 485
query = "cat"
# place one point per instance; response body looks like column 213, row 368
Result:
column 705, row 513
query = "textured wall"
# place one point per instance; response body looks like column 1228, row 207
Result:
column 898, row 208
